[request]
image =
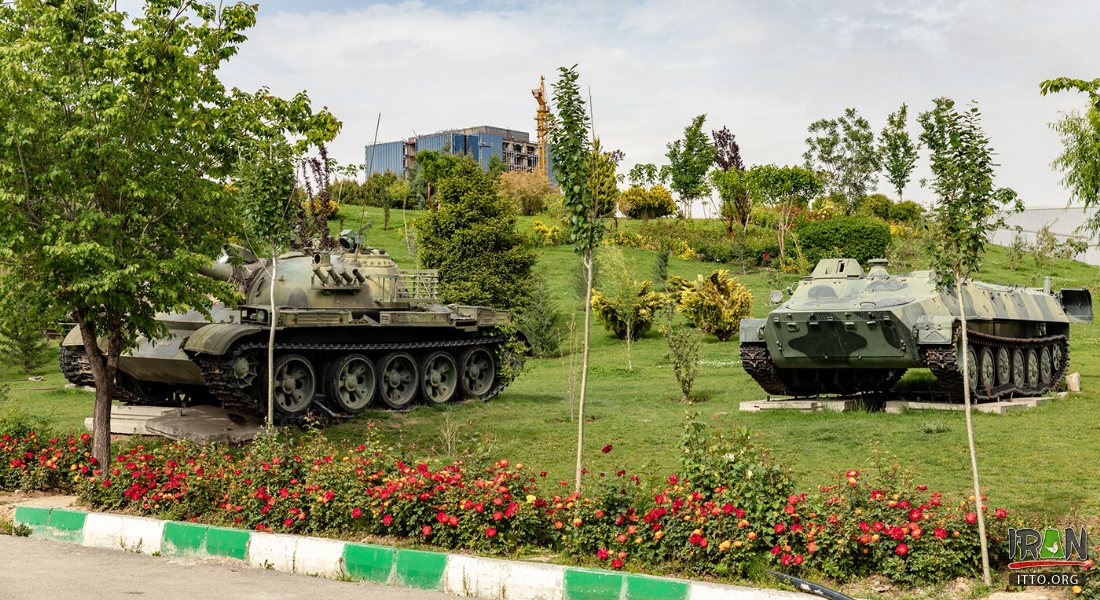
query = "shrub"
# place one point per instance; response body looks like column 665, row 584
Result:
column 861, row 238
column 716, row 304
column 877, row 205
column 683, row 355
column 541, row 321
column 547, row 235
column 527, row 191
column 640, row 203
column 907, row 211
column 613, row 316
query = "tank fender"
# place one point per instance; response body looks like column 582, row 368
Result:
column 751, row 330
column 73, row 338
column 1077, row 303
column 218, row 338
column 934, row 329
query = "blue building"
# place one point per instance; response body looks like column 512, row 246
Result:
column 515, row 148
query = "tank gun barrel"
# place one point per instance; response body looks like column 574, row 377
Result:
column 218, row 270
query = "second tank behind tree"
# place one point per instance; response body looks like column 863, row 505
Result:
column 352, row 330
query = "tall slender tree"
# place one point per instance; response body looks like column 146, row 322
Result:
column 572, row 163
column 689, row 159
column 964, row 216
column 897, row 151
column 843, row 149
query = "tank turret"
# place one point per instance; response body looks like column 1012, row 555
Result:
column 352, row 329
column 844, row 331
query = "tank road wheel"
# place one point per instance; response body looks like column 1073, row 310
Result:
column 1004, row 367
column 1018, row 369
column 295, row 384
column 479, row 370
column 438, row 377
column 1056, row 357
column 1045, row 367
column 972, row 368
column 246, row 368
column 397, row 379
column 986, row 377
column 1032, row 370
column 351, row 383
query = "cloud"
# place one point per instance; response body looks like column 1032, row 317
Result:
column 765, row 69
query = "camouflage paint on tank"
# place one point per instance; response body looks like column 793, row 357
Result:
column 841, row 317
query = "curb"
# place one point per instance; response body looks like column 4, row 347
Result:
column 458, row 574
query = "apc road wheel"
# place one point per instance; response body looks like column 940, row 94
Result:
column 1018, row 368
column 1046, row 368
column 397, row 378
column 1056, row 356
column 438, row 377
column 987, row 374
column 351, row 383
column 1032, row 370
column 1004, row 367
column 479, row 370
column 972, row 368
column 295, row 384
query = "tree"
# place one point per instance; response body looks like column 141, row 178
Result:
column 22, row 343
column 472, row 239
column 1079, row 161
column 527, row 191
column 645, row 175
column 785, row 188
column 572, row 161
column 1063, row 84
column 844, row 150
column 602, row 181
column 897, row 150
column 689, row 160
column 963, row 218
column 116, row 137
column 729, row 182
column 621, row 291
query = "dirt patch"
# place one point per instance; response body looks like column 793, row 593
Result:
column 9, row 500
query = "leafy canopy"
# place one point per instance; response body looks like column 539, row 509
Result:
column 844, row 149
column 897, row 150
column 689, row 159
column 968, row 203
column 573, row 162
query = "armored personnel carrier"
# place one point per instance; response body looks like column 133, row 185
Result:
column 844, row 331
column 352, row 329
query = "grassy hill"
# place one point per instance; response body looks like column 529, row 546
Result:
column 1044, row 461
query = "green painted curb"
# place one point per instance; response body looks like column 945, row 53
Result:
column 421, row 570
column 67, row 525
column 183, row 539
column 369, row 563
column 231, row 543
column 586, row 584
column 640, row 587
column 34, row 517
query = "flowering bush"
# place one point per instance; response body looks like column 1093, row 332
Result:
column 729, row 508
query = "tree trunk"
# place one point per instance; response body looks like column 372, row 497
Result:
column 103, row 374
column 271, row 342
column 970, row 434
column 587, row 258
column 629, row 341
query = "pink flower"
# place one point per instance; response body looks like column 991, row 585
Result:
column 603, row 554
column 386, row 520
column 426, row 530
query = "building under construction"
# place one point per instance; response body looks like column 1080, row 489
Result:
column 515, row 148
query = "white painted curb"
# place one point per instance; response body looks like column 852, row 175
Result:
column 116, row 532
column 502, row 580
column 272, row 551
column 317, row 556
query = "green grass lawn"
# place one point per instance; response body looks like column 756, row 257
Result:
column 1044, row 461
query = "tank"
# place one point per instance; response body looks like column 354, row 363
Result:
column 352, row 330
column 844, row 331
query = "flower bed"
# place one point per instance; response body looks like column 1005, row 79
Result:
column 729, row 511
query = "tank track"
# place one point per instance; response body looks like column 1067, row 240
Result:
column 218, row 373
column 943, row 361
column 758, row 363
column 78, row 370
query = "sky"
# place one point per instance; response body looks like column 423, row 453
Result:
column 765, row 69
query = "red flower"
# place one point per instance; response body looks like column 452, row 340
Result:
column 603, row 554
column 498, row 516
column 971, row 518
column 1000, row 513
column 288, row 522
column 386, row 520
column 792, row 500
column 780, row 527
column 922, row 487
column 616, row 564
column 798, row 559
column 878, row 495
column 453, row 521
column 852, row 473
column 673, row 479
column 902, row 549
column 786, row 560
column 426, row 530
column 789, row 509
column 606, row 448
column 940, row 533
column 863, row 525
column 915, row 515
column 877, row 526
column 491, row 532
column 356, row 512
column 776, row 550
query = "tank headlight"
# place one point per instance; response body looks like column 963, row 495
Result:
column 261, row 316
column 776, row 296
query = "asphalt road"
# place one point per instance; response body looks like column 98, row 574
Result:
column 33, row 569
